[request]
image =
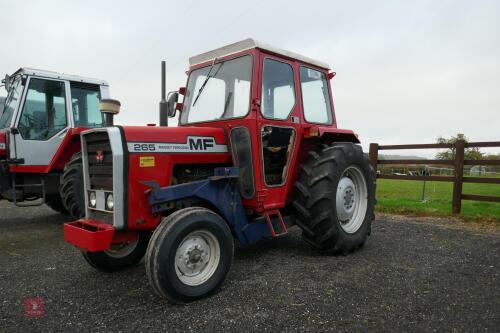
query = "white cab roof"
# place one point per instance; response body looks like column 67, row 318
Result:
column 60, row 76
column 247, row 44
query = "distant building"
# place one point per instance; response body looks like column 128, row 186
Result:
column 477, row 170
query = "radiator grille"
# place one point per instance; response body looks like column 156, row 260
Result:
column 100, row 161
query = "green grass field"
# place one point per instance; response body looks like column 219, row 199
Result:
column 405, row 196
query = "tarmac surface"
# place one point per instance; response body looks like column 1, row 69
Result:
column 414, row 274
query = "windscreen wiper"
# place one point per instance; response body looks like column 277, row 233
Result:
column 206, row 80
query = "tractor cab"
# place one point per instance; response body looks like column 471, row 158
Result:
column 269, row 101
column 40, row 122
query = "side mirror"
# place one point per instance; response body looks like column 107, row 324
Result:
column 172, row 100
column 7, row 82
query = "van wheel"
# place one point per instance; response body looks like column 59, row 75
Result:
column 189, row 255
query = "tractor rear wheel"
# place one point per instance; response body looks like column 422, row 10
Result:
column 71, row 187
column 335, row 198
column 119, row 256
column 189, row 255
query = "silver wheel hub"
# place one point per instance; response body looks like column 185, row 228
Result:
column 197, row 257
column 351, row 199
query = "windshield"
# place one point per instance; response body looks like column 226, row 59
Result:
column 10, row 104
column 226, row 93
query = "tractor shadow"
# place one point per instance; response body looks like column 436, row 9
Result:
column 290, row 244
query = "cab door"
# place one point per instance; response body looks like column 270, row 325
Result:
column 279, row 125
column 42, row 122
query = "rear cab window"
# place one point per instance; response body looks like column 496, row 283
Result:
column 315, row 96
column 85, row 100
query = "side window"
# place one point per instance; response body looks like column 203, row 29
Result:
column 44, row 111
column 85, row 104
column 278, row 90
column 315, row 96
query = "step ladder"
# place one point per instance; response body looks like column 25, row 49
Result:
column 281, row 227
column 19, row 187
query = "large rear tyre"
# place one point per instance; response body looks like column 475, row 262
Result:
column 71, row 187
column 335, row 198
column 189, row 255
column 119, row 256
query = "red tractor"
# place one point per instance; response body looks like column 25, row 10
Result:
column 40, row 124
column 257, row 150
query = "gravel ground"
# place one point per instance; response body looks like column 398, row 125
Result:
column 414, row 274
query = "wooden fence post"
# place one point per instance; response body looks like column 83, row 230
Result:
column 459, row 173
column 374, row 156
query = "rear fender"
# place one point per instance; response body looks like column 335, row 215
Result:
column 330, row 135
column 68, row 148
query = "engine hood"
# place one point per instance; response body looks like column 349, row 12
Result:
column 159, row 153
column 151, row 139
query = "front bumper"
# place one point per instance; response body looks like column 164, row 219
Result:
column 89, row 235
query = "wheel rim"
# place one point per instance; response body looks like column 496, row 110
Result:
column 197, row 257
column 122, row 250
column 351, row 199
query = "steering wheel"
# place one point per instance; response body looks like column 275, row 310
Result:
column 32, row 123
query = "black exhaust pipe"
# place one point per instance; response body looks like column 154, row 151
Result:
column 163, row 102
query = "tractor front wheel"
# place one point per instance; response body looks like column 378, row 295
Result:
column 335, row 198
column 55, row 202
column 189, row 255
column 71, row 187
column 119, row 256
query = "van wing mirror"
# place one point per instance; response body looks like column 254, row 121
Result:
column 172, row 100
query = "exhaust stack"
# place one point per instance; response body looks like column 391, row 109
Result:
column 163, row 102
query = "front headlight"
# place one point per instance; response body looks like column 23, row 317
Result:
column 109, row 201
column 92, row 199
